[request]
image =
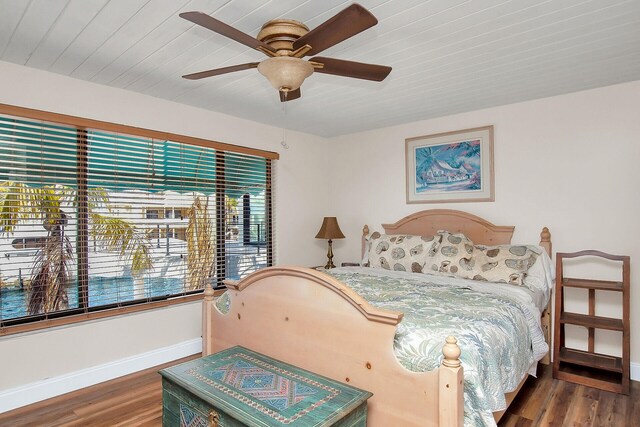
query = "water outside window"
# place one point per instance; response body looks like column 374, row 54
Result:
column 111, row 280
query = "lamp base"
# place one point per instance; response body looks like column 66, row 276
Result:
column 330, row 257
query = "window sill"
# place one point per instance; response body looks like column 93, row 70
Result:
column 119, row 311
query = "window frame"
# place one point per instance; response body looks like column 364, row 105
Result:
column 82, row 125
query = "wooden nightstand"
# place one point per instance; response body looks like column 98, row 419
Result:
column 239, row 387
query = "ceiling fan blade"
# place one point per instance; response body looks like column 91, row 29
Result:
column 290, row 96
column 353, row 69
column 226, row 30
column 218, row 71
column 351, row 21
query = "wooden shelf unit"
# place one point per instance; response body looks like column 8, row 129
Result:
column 606, row 372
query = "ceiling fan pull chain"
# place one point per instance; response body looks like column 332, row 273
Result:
column 284, row 124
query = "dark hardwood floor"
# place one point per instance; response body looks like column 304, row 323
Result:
column 136, row 400
column 132, row 400
column 548, row 402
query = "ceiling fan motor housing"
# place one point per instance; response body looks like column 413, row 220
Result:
column 281, row 33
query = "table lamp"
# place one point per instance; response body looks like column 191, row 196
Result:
column 330, row 230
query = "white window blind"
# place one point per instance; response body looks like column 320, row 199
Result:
column 91, row 219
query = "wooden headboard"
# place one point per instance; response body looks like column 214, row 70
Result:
column 480, row 231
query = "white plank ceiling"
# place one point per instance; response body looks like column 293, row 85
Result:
column 448, row 56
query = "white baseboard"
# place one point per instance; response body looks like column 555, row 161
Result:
column 635, row 371
column 51, row 387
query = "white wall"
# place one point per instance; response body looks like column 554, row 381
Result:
column 568, row 162
column 300, row 203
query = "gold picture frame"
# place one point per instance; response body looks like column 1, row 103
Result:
column 451, row 167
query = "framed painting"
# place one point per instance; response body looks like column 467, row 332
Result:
column 450, row 167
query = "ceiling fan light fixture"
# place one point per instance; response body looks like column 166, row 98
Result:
column 285, row 73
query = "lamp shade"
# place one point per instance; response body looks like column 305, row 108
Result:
column 285, row 73
column 330, row 229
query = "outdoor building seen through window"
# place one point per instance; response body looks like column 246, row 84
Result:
column 92, row 220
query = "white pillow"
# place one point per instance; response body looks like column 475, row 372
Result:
column 367, row 246
column 541, row 275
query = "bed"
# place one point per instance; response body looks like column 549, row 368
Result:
column 315, row 321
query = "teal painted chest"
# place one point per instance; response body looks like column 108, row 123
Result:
column 239, row 387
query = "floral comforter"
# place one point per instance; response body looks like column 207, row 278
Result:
column 497, row 327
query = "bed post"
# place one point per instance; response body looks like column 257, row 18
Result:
column 365, row 232
column 451, row 386
column 207, row 321
column 545, row 242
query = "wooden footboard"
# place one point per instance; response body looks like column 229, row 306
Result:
column 307, row 318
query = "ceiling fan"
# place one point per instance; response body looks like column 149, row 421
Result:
column 286, row 42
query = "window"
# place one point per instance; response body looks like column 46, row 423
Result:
column 92, row 219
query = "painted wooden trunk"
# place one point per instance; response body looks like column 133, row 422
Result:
column 239, row 387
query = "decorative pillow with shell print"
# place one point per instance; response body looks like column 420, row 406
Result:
column 503, row 263
column 453, row 255
column 399, row 252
